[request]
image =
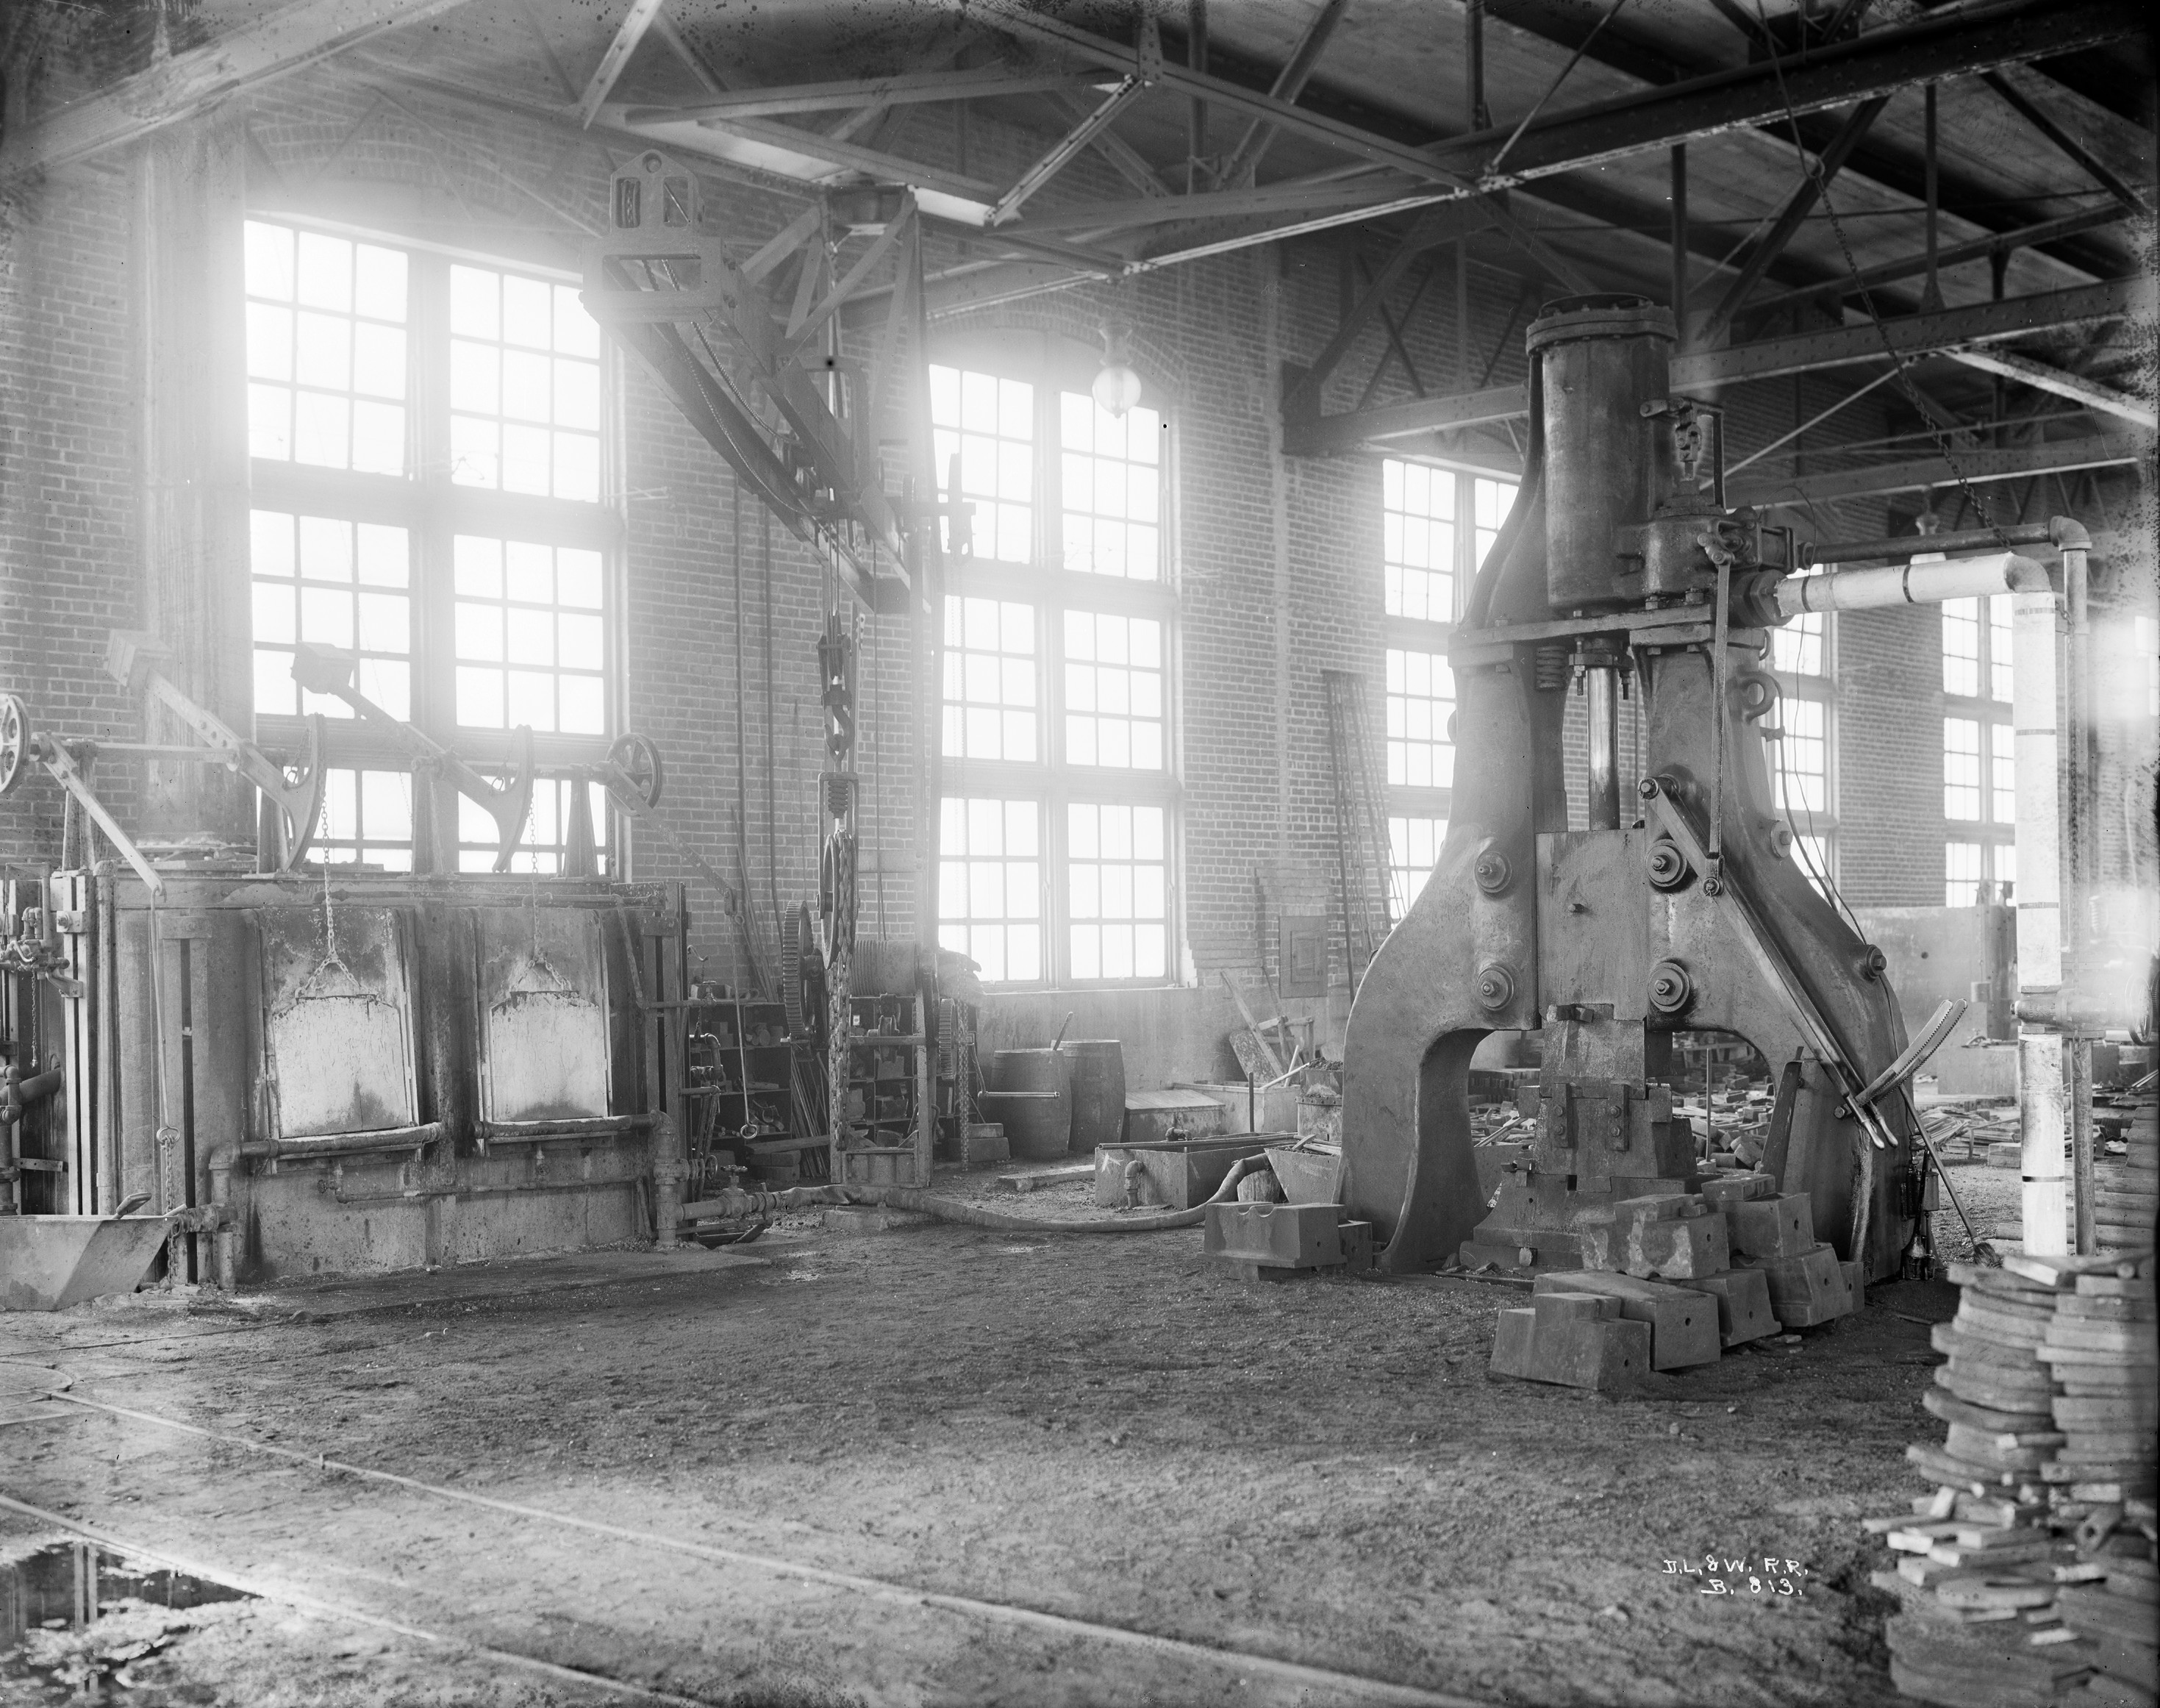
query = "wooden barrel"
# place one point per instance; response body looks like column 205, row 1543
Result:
column 1031, row 1095
column 1098, row 1092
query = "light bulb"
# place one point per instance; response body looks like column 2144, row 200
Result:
column 1117, row 388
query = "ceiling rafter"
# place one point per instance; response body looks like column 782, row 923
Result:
column 301, row 33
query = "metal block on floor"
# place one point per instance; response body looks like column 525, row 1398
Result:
column 1743, row 1304
column 1783, row 1226
column 1807, row 1291
column 1286, row 1236
column 1684, row 1324
column 1676, row 1249
column 1722, row 1191
column 1575, row 1340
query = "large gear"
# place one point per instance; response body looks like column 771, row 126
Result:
column 802, row 974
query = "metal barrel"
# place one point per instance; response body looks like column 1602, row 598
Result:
column 1038, row 1120
column 1098, row 1092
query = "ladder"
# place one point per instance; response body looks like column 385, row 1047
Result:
column 1361, row 825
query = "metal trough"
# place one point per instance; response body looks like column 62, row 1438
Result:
column 48, row 1262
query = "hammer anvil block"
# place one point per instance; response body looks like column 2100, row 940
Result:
column 1771, row 1228
column 1672, row 1234
column 1805, row 1290
column 1577, row 1340
column 1684, row 1324
column 1743, row 1304
column 1278, row 1236
column 1722, row 1191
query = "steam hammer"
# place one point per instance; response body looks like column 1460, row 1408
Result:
column 1680, row 908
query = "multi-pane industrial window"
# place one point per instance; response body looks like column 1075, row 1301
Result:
column 525, row 385
column 1055, row 862
column 1426, row 563
column 326, row 319
column 988, row 424
column 1979, row 759
column 1803, row 751
column 334, row 583
column 990, row 688
column 1976, row 870
column 1413, row 846
column 530, row 645
column 1112, row 691
column 990, row 885
column 469, row 613
column 1119, row 866
column 1420, row 701
column 1436, row 526
column 1111, row 471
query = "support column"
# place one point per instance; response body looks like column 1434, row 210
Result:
column 2040, row 1064
column 190, row 312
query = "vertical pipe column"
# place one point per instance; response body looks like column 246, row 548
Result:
column 2081, row 872
column 2040, row 1066
column 1679, row 241
column 1602, row 688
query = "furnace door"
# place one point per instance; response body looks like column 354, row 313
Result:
column 543, row 1014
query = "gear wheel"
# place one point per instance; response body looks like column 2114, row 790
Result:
column 802, row 974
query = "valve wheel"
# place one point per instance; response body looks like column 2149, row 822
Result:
column 16, row 741
column 637, row 757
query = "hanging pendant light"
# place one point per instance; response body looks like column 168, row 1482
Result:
column 1117, row 387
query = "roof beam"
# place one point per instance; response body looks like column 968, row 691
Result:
column 1129, row 161
column 274, row 45
column 902, row 90
column 1952, row 329
column 1656, row 68
column 1980, row 249
column 616, row 59
column 2041, row 120
column 1062, row 152
column 1814, row 182
column 1881, row 62
column 1218, row 91
column 1290, row 83
column 1974, row 467
column 2042, row 377
column 1912, row 335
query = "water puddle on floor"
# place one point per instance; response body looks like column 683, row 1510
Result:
column 77, row 1621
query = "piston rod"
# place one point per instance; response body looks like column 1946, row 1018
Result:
column 1601, row 685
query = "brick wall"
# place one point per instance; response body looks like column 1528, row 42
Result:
column 1277, row 575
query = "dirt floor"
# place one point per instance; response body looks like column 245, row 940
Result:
column 1321, row 1472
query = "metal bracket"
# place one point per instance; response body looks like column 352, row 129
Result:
column 322, row 671
column 1770, row 960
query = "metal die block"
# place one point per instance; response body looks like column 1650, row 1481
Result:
column 1807, row 1290
column 1592, row 925
column 1281, row 1236
column 1573, row 1339
column 1684, row 1324
column 1743, row 1303
column 1677, row 1249
column 1771, row 1228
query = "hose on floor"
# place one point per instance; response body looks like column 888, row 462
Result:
column 735, row 1201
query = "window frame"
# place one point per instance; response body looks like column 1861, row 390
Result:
column 434, row 509
column 1818, row 687
column 1053, row 365
column 1995, row 837
column 1430, row 636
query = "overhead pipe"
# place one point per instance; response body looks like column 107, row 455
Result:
column 1914, row 583
column 2061, row 532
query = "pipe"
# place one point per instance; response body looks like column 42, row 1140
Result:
column 2061, row 532
column 1913, row 583
column 1602, row 684
column 734, row 1201
column 2041, row 1090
